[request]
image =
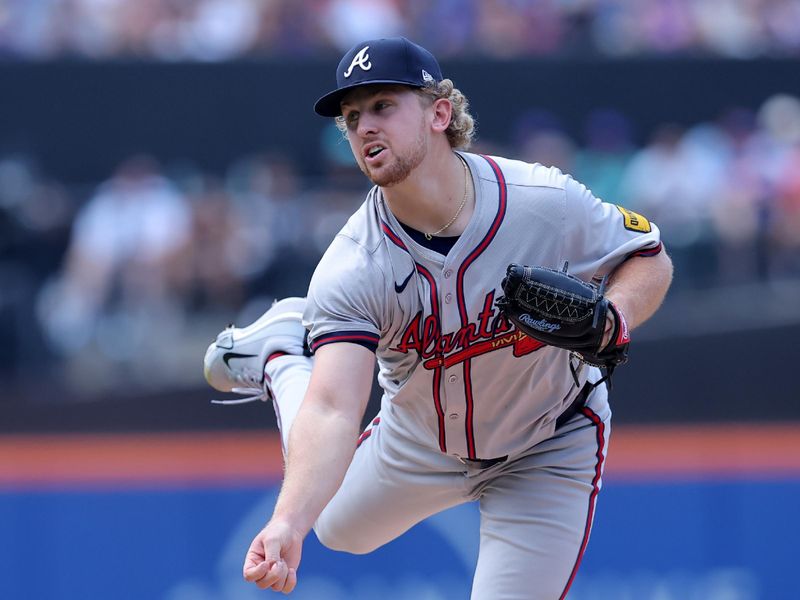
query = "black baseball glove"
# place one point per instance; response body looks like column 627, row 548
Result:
column 563, row 311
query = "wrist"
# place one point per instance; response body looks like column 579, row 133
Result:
column 295, row 515
column 293, row 524
column 621, row 331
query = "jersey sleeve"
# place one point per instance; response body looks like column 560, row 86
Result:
column 601, row 235
column 345, row 297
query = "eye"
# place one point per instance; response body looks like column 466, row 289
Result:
column 351, row 118
column 381, row 104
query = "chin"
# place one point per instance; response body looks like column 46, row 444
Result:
column 394, row 172
column 385, row 176
column 384, row 179
column 388, row 179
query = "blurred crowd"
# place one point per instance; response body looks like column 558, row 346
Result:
column 128, row 279
column 213, row 30
column 725, row 193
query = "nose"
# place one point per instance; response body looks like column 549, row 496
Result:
column 367, row 125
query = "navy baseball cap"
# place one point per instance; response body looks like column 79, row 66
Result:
column 387, row 60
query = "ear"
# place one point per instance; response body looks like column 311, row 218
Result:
column 442, row 114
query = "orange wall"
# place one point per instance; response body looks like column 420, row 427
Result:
column 247, row 457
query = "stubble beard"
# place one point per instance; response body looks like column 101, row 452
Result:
column 397, row 171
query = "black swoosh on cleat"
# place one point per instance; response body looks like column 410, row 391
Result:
column 399, row 288
column 229, row 355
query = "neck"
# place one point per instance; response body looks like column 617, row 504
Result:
column 432, row 194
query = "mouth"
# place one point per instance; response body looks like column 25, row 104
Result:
column 373, row 151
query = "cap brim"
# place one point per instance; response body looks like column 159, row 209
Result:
column 329, row 104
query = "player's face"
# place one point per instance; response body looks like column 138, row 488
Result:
column 386, row 127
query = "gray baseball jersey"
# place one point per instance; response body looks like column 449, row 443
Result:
column 456, row 374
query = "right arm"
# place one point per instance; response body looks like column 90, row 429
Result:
column 321, row 446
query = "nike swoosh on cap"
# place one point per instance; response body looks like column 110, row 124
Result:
column 229, row 355
column 399, row 288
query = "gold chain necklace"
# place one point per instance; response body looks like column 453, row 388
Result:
column 429, row 236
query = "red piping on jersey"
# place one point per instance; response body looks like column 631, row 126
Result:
column 393, row 236
column 598, row 472
column 468, row 417
column 368, row 431
column 646, row 252
column 498, row 219
column 363, row 436
column 437, row 372
column 274, row 355
column 462, row 305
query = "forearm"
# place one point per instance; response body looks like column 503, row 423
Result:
column 639, row 285
column 321, row 446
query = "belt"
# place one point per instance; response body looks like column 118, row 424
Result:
column 575, row 406
column 484, row 463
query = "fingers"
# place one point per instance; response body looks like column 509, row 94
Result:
column 287, row 580
column 275, row 575
column 255, row 566
column 255, row 572
column 269, row 572
column 291, row 581
column 279, row 574
column 268, row 561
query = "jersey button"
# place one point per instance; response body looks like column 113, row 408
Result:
column 452, row 378
column 453, row 416
column 448, row 273
column 448, row 298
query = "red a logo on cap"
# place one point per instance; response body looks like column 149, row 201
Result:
column 361, row 59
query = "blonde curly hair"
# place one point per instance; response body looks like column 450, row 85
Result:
column 461, row 130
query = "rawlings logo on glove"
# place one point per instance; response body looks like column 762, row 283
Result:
column 540, row 325
column 563, row 311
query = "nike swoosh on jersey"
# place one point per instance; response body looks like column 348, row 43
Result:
column 229, row 355
column 399, row 288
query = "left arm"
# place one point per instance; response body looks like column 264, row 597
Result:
column 637, row 287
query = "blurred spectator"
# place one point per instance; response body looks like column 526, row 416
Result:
column 507, row 28
column 446, row 25
column 550, row 147
column 212, row 276
column 608, row 147
column 271, row 243
column 781, row 22
column 778, row 146
column 212, row 30
column 732, row 28
column 348, row 22
column 739, row 212
column 667, row 183
column 540, row 137
column 665, row 26
column 117, row 288
column 787, row 230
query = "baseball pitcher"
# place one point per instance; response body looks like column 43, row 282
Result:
column 495, row 297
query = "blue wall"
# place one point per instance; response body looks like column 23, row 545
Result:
column 720, row 540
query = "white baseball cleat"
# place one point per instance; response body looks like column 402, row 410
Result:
column 235, row 361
